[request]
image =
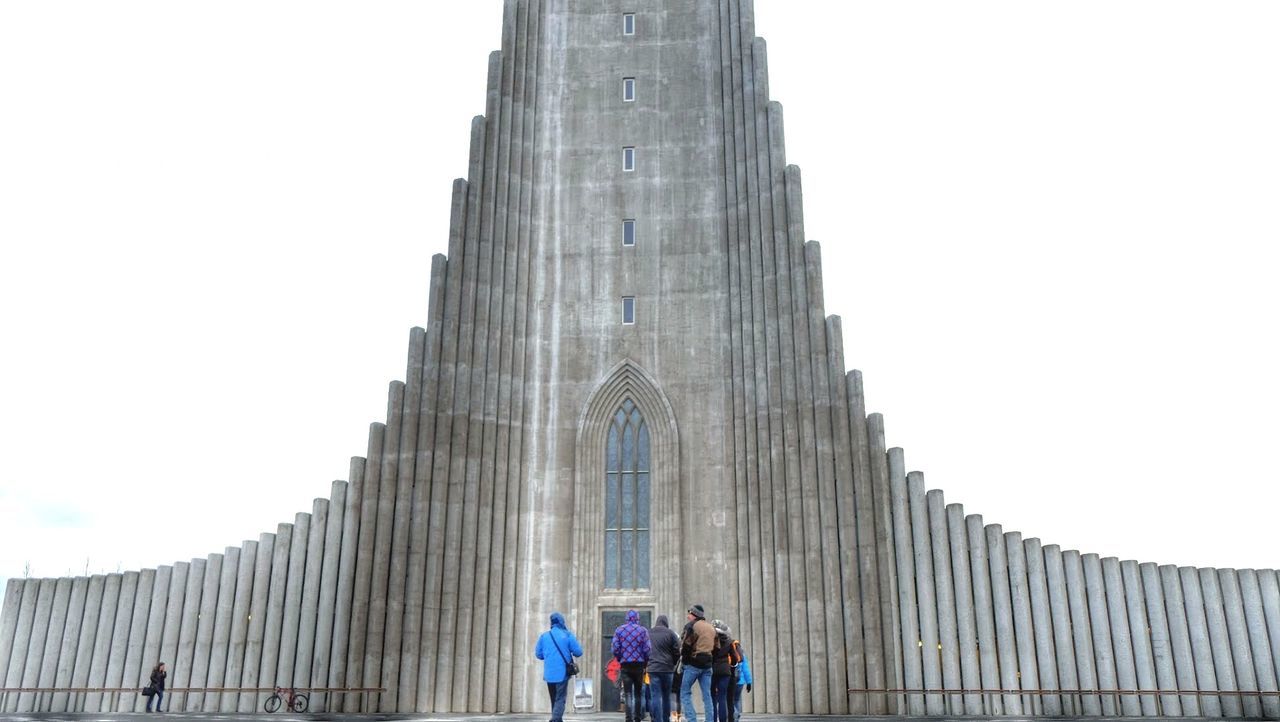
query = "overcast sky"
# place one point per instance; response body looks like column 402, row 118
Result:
column 1050, row 228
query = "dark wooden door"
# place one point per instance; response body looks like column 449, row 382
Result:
column 610, row 693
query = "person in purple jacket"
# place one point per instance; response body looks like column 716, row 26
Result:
column 631, row 649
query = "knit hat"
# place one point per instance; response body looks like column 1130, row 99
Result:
column 697, row 611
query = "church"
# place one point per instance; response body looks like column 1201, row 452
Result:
column 628, row 395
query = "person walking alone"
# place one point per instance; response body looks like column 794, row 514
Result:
column 697, row 645
column 158, row 675
column 555, row 648
column 664, row 652
column 631, row 649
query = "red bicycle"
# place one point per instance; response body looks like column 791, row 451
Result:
column 291, row 698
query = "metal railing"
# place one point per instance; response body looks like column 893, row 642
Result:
column 76, row 695
column 949, row 702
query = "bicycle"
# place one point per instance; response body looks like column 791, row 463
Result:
column 293, row 700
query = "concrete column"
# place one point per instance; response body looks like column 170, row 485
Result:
column 1081, row 630
column 154, row 629
column 174, row 603
column 133, row 675
column 1024, row 629
column 1100, row 627
column 342, row 611
column 1221, row 645
column 307, row 622
column 944, row 592
column 204, row 630
column 70, row 642
column 329, row 583
column 53, row 638
column 886, row 580
column 966, row 624
column 273, row 631
column 1042, row 623
column 255, row 635
column 120, row 640
column 101, row 641
column 375, row 642
column 922, row 546
column 1060, row 617
column 1269, row 589
column 362, row 585
column 293, row 599
column 84, row 649
column 1158, row 629
column 9, row 625
column 1180, row 639
column 46, row 591
column 1143, row 658
column 984, row 614
column 1121, row 638
column 1259, row 642
column 913, row 674
column 220, row 636
column 868, row 572
column 240, row 611
column 1002, row 609
column 1238, row 631
column 1201, row 646
column 180, row 674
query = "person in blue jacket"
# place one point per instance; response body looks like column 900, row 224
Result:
column 744, row 680
column 555, row 648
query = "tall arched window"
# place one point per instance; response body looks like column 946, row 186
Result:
column 626, row 501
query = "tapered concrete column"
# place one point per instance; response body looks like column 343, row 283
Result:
column 102, row 640
column 220, row 637
column 1100, row 626
column 1121, row 639
column 1269, row 589
column 1060, row 618
column 137, row 638
column 71, row 638
column 204, row 630
column 343, row 614
column 9, row 625
column 181, row 674
column 923, row 548
column 311, row 593
column 1259, row 642
column 944, row 591
column 1002, row 608
column 173, row 618
column 240, row 612
column 88, row 634
column 1081, row 631
column 913, row 674
column 275, row 606
column 293, row 599
column 53, row 638
column 1206, row 679
column 984, row 614
column 328, row 593
column 250, row 675
column 966, row 624
column 21, row 640
column 362, row 585
column 1024, row 629
column 1238, row 631
column 30, row 660
column 1158, row 632
column 120, row 639
column 1179, row 639
column 1042, row 620
column 156, row 613
column 1220, row 643
column 1143, row 658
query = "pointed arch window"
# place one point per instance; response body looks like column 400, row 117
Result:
column 626, row 501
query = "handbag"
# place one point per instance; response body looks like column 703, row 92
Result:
column 148, row 691
column 570, row 667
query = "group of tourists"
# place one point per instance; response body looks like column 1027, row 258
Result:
column 653, row 664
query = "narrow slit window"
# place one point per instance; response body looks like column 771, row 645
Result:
column 629, row 232
column 628, row 159
column 628, row 23
column 628, row 89
column 628, row 310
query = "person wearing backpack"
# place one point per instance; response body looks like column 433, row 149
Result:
column 744, row 681
column 556, row 648
column 724, row 663
column 697, row 646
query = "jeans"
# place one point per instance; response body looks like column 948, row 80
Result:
column 158, row 698
column 720, row 693
column 557, row 692
column 632, row 678
column 660, row 699
column 737, row 701
column 702, row 677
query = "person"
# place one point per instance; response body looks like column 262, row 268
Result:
column 744, row 682
column 723, row 667
column 157, row 683
column 664, row 652
column 697, row 644
column 555, row 648
column 631, row 649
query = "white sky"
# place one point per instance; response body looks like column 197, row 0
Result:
column 1050, row 229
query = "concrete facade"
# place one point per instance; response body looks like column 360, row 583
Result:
column 483, row 501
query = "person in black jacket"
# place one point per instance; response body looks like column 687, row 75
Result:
column 157, row 683
column 723, row 667
column 664, row 652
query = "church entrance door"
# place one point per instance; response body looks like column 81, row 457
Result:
column 610, row 691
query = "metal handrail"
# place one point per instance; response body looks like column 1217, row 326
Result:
column 41, row 692
column 1073, row 692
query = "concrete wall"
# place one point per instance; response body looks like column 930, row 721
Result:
column 477, row 508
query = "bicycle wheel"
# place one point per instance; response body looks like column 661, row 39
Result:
column 273, row 703
column 299, row 703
